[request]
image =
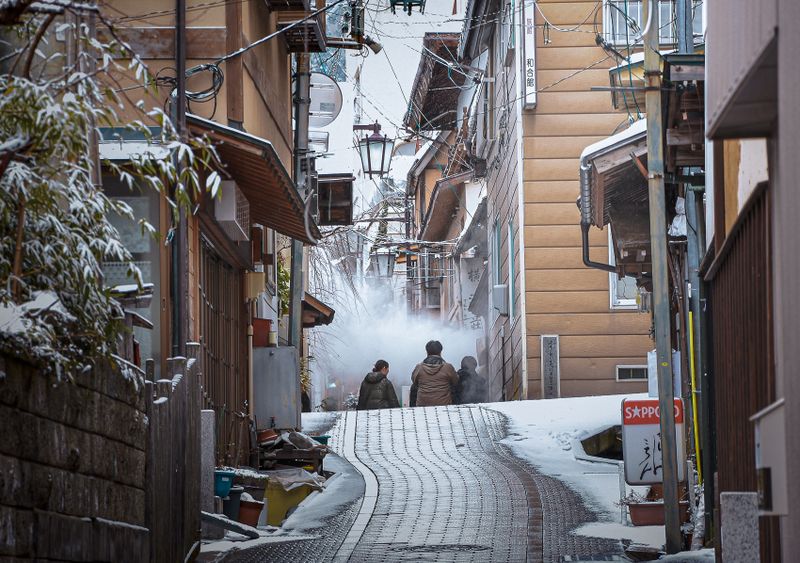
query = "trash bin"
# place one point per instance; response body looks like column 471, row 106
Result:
column 222, row 482
column 230, row 504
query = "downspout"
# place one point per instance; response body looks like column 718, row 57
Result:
column 586, row 215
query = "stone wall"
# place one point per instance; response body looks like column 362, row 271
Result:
column 72, row 466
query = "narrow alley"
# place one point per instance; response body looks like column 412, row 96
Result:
column 441, row 487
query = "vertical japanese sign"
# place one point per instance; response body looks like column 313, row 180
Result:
column 529, row 54
column 641, row 441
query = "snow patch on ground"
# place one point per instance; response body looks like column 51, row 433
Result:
column 316, row 422
column 542, row 432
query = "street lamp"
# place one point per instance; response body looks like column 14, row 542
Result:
column 375, row 150
column 381, row 263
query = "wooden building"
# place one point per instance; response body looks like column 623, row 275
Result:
column 233, row 256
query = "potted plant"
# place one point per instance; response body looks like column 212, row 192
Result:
column 649, row 510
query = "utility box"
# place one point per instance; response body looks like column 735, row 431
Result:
column 276, row 387
column 770, row 429
column 500, row 299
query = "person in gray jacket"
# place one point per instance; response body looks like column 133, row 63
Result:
column 377, row 392
column 435, row 380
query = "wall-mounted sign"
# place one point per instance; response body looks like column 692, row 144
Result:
column 641, row 441
column 529, row 55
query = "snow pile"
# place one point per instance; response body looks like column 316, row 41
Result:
column 543, row 432
column 701, row 555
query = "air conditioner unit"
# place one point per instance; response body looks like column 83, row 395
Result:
column 232, row 211
column 500, row 299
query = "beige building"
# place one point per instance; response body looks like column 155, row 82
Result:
column 582, row 320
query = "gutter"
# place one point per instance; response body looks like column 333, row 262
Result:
column 633, row 133
column 585, row 203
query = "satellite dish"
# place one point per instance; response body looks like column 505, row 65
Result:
column 326, row 100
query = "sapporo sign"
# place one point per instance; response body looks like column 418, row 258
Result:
column 641, row 441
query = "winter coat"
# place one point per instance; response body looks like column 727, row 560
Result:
column 377, row 392
column 471, row 387
column 435, row 380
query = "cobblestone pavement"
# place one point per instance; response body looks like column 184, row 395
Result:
column 447, row 490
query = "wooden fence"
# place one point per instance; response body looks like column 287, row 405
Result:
column 173, row 460
column 743, row 377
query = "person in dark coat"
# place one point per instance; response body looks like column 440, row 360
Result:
column 471, row 386
column 377, row 392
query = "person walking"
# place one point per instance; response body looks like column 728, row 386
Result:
column 377, row 392
column 471, row 386
column 434, row 378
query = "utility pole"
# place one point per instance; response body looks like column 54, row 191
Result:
column 180, row 246
column 659, row 257
column 302, row 102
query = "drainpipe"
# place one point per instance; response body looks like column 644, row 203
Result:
column 297, row 286
column 585, row 202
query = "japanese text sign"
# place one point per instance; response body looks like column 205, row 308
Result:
column 529, row 55
column 641, row 441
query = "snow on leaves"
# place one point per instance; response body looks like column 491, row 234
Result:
column 55, row 231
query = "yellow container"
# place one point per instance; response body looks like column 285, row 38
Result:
column 279, row 502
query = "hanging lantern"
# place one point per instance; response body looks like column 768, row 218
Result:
column 381, row 263
column 375, row 151
column 408, row 5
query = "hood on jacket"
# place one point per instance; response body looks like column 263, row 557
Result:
column 431, row 369
column 374, row 377
column 433, row 361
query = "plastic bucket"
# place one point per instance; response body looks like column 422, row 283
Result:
column 231, row 504
column 223, row 481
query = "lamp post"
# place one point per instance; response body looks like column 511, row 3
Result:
column 375, row 150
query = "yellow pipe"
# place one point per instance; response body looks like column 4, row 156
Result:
column 696, row 431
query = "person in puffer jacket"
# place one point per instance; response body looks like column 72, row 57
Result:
column 435, row 380
column 377, row 392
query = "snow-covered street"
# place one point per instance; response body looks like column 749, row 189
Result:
column 495, row 482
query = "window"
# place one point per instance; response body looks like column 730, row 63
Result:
column 145, row 250
column 497, row 271
column 623, row 292
column 631, row 373
column 623, row 20
column 511, row 273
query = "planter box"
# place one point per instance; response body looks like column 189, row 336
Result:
column 652, row 513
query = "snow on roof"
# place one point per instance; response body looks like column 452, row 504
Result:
column 637, row 129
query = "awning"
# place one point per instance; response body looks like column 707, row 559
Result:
column 475, row 233
column 444, row 201
column 615, row 172
column 315, row 312
column 258, row 171
column 434, row 95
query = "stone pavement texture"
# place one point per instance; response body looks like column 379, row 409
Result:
column 443, row 488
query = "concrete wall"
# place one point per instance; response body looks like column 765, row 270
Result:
column 72, row 466
column 563, row 296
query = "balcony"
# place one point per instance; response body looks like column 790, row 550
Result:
column 307, row 36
